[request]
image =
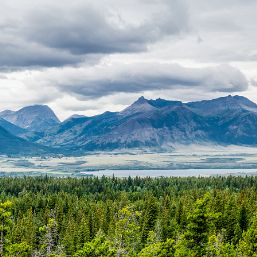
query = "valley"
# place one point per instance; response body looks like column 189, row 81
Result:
column 191, row 160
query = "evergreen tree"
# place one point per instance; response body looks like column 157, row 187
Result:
column 18, row 250
column 243, row 219
column 49, row 245
column 165, row 249
column 127, row 232
column 217, row 247
column 149, row 217
column 248, row 244
column 138, row 216
column 196, row 235
column 98, row 247
column 5, row 223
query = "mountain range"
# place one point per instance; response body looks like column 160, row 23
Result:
column 146, row 124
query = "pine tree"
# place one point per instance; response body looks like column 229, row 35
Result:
column 127, row 232
column 18, row 250
column 98, row 247
column 217, row 247
column 160, row 249
column 243, row 219
column 196, row 234
column 149, row 218
column 248, row 244
column 50, row 246
column 5, row 222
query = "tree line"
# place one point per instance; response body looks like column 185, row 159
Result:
column 137, row 217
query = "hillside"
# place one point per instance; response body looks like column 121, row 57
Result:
column 161, row 123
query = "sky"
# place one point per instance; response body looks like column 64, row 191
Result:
column 87, row 57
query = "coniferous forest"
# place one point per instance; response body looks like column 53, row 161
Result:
column 141, row 217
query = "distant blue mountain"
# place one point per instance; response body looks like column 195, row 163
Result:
column 10, row 127
column 155, row 124
column 222, row 104
column 161, row 103
column 34, row 118
column 19, row 130
column 12, row 145
column 161, row 123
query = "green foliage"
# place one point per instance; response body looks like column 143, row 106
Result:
column 248, row 243
column 126, row 238
column 196, row 234
column 160, row 249
column 243, row 218
column 5, row 223
column 217, row 247
column 98, row 247
column 133, row 217
column 19, row 250
column 149, row 217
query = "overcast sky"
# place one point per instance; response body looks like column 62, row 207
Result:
column 87, row 57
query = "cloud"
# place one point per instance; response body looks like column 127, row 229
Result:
column 21, row 55
column 14, row 93
column 92, row 89
column 51, row 34
column 254, row 82
column 2, row 77
column 59, row 33
column 101, row 55
column 227, row 30
column 108, row 79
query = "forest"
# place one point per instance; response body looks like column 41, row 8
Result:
column 134, row 217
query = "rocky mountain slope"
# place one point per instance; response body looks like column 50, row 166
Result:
column 34, row 118
column 155, row 124
column 12, row 145
column 161, row 123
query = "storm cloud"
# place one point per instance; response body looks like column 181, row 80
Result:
column 103, row 80
column 48, row 33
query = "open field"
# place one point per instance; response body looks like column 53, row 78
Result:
column 184, row 161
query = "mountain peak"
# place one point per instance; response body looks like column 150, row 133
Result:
column 237, row 102
column 140, row 100
column 140, row 105
column 34, row 117
column 245, row 101
column 145, row 123
column 221, row 104
column 161, row 103
column 38, row 108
